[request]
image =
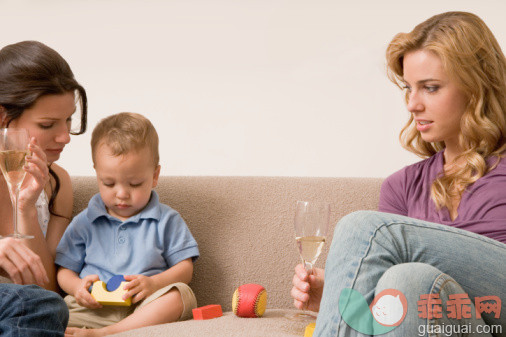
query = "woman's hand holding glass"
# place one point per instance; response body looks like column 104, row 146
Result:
column 311, row 226
column 20, row 155
column 18, row 262
column 307, row 288
column 37, row 177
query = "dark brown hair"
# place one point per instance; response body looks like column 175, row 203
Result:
column 30, row 70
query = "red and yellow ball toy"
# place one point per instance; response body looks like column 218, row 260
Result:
column 249, row 300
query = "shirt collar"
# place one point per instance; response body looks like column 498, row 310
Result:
column 96, row 209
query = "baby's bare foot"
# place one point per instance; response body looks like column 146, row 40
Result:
column 76, row 332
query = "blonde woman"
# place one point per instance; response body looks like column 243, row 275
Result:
column 441, row 232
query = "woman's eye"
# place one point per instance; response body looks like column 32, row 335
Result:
column 432, row 88
column 46, row 126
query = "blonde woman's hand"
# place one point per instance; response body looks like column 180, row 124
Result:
column 21, row 264
column 83, row 296
column 307, row 289
column 37, row 176
column 139, row 287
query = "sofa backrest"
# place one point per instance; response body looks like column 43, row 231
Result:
column 244, row 226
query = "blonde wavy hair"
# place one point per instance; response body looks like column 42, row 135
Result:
column 473, row 59
column 125, row 132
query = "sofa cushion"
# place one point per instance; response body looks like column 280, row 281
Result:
column 273, row 323
column 244, row 226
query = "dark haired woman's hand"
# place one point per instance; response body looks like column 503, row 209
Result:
column 37, row 176
column 307, row 288
column 21, row 264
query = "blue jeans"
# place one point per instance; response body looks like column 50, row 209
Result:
column 373, row 251
column 28, row 310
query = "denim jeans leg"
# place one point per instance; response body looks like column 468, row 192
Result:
column 28, row 310
column 366, row 244
column 415, row 278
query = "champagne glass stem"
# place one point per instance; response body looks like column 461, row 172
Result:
column 14, row 193
column 15, row 210
column 309, row 267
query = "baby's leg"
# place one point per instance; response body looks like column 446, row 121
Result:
column 165, row 309
column 167, row 304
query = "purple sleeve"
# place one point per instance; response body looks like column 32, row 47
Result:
column 392, row 194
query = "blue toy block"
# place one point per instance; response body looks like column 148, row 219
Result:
column 114, row 282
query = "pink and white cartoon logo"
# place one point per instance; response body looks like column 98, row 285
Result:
column 389, row 307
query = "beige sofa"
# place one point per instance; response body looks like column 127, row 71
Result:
column 244, row 228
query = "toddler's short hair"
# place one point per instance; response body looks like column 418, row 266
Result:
column 124, row 132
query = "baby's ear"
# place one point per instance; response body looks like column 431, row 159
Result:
column 156, row 175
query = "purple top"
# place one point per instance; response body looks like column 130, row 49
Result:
column 482, row 209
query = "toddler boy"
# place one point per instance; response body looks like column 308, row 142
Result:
column 126, row 231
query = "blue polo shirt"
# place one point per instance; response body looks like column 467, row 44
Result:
column 147, row 243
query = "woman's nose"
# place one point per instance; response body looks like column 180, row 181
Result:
column 415, row 103
column 63, row 136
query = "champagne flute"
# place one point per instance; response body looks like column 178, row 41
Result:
column 311, row 225
column 13, row 150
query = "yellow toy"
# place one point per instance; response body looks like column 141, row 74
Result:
column 112, row 292
column 309, row 330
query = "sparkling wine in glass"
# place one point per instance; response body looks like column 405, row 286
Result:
column 310, row 248
column 311, row 224
column 13, row 150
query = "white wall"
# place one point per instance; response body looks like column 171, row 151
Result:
column 244, row 87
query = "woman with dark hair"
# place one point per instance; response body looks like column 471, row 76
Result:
column 440, row 237
column 38, row 92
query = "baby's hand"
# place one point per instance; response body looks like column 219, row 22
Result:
column 139, row 287
column 83, row 296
